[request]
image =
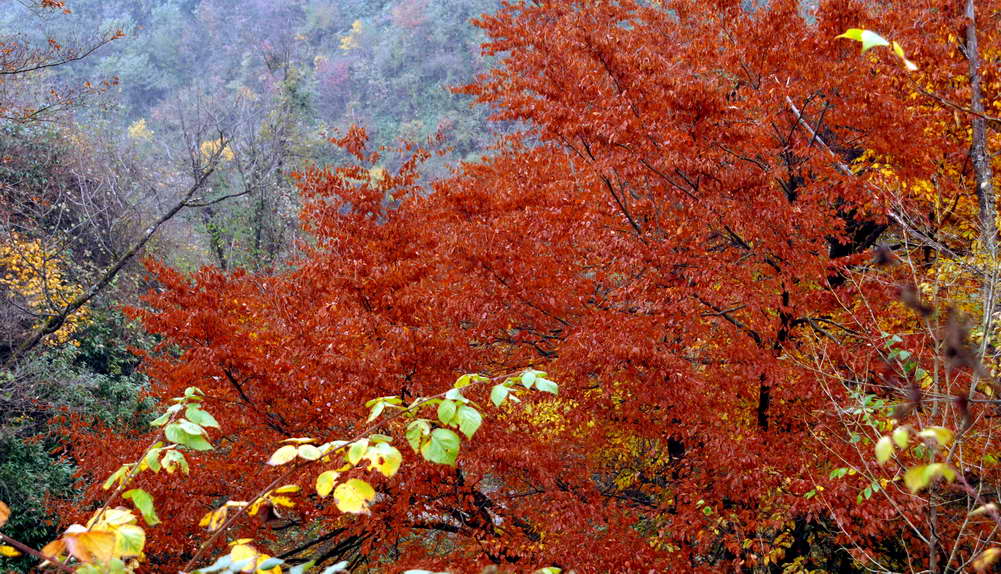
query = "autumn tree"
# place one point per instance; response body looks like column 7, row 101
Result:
column 24, row 59
column 693, row 207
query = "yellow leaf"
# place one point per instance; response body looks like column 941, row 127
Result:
column 884, row 449
column 9, row 551
column 300, row 440
column 942, row 435
column 244, row 553
column 261, row 559
column 91, row 546
column 920, row 477
column 256, row 506
column 281, row 501
column 129, row 540
column 117, row 516
column 54, row 549
column 900, row 437
column 325, row 483
column 139, row 131
column 987, row 559
column 354, row 496
column 288, row 489
column 283, row 455
column 915, row 478
column 4, row 513
column 213, row 520
column 384, row 458
column 989, row 507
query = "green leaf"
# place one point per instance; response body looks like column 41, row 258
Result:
column 546, row 386
column 416, row 431
column 300, row 568
column 469, row 420
column 455, row 395
column 196, row 415
column 116, row 476
column 498, row 394
column 528, row 378
column 144, row 503
column 379, row 438
column 193, row 394
column 466, row 380
column 377, row 409
column 325, row 483
column 176, row 434
column 389, row 400
column 173, row 459
column 153, row 459
column 191, row 428
column 269, row 564
column 442, row 448
column 165, row 417
column 884, row 449
column 309, row 452
column 357, row 451
column 446, row 412
column 839, row 472
column 871, row 40
column 129, row 540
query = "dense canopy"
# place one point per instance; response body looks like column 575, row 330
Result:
column 730, row 238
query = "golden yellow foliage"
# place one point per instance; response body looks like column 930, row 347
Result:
column 139, row 131
column 210, row 148
column 37, row 274
column 350, row 41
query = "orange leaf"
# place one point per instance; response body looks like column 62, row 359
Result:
column 91, row 546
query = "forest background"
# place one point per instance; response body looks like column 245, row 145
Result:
column 759, row 268
column 87, row 167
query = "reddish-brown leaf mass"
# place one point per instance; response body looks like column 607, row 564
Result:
column 658, row 241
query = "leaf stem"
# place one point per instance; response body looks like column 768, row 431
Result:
column 35, row 553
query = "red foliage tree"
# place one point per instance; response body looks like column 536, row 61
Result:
column 675, row 223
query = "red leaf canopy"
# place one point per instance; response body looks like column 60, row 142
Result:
column 659, row 240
